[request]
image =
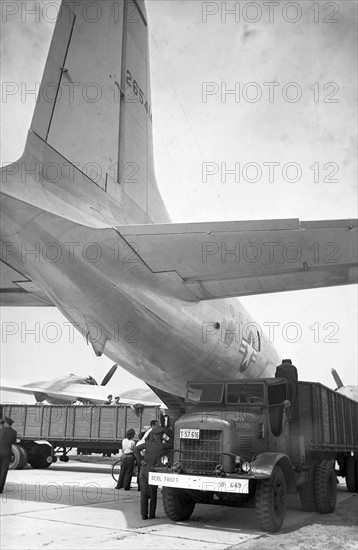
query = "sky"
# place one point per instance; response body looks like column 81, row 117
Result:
column 254, row 117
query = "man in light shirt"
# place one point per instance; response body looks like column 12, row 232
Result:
column 128, row 446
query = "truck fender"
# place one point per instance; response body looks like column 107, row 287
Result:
column 264, row 464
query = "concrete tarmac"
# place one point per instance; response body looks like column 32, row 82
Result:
column 76, row 505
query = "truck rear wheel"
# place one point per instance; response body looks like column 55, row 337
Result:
column 307, row 492
column 271, row 501
column 325, row 485
column 352, row 474
column 178, row 505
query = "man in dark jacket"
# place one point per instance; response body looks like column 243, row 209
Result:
column 153, row 449
column 289, row 371
column 7, row 437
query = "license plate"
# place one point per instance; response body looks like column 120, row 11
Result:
column 200, row 483
column 189, row 433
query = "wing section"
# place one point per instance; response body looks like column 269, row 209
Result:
column 224, row 259
column 95, row 394
column 18, row 290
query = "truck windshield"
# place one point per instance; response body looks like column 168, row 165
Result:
column 245, row 393
column 205, row 393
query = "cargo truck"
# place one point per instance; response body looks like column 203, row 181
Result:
column 243, row 443
column 46, row 432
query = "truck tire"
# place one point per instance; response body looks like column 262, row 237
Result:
column 23, row 460
column 42, row 457
column 178, row 505
column 41, row 461
column 325, row 485
column 307, row 492
column 352, row 474
column 15, row 458
column 271, row 501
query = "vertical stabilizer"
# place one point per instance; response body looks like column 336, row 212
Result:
column 94, row 107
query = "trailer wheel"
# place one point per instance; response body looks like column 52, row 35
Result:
column 41, row 461
column 307, row 493
column 352, row 474
column 16, row 457
column 42, row 457
column 178, row 504
column 23, row 460
column 271, row 501
column 325, row 485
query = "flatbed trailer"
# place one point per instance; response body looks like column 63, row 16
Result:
column 45, row 431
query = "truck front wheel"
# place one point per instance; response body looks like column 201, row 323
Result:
column 271, row 501
column 352, row 474
column 178, row 505
column 325, row 486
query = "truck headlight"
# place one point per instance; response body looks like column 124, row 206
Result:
column 164, row 460
column 237, row 460
column 246, row 466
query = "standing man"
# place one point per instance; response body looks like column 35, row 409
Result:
column 153, row 448
column 289, row 371
column 7, row 437
column 153, row 424
column 143, row 439
column 128, row 446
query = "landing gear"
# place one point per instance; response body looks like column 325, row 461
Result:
column 64, row 458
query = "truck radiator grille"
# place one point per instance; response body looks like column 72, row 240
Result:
column 246, row 445
column 201, row 455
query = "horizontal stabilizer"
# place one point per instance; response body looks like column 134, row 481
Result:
column 223, row 259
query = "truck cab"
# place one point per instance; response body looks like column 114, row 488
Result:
column 230, row 423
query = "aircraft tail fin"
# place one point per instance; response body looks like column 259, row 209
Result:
column 94, row 106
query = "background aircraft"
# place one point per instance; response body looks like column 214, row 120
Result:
column 68, row 389
column 350, row 391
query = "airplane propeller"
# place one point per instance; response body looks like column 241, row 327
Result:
column 337, row 379
column 109, row 375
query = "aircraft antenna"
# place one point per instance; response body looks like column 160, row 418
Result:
column 176, row 171
column 187, row 121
